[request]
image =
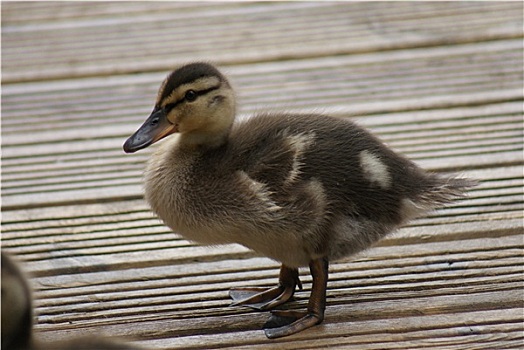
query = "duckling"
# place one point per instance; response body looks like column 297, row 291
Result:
column 17, row 310
column 301, row 189
column 17, row 318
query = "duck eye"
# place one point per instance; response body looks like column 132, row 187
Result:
column 191, row 95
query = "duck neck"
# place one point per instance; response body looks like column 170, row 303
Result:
column 213, row 131
column 199, row 140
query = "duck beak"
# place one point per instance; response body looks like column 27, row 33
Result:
column 156, row 127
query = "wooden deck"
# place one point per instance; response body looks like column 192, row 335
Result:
column 439, row 81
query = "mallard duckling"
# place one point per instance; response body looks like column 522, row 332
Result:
column 300, row 189
column 17, row 309
column 17, row 318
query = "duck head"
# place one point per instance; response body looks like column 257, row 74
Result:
column 195, row 100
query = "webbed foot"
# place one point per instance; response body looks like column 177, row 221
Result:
column 267, row 299
column 298, row 325
column 287, row 322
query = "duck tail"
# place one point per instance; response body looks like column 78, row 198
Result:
column 444, row 189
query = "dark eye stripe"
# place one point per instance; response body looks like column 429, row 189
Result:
column 170, row 106
column 199, row 93
column 203, row 92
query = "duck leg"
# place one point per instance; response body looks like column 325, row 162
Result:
column 266, row 299
column 315, row 310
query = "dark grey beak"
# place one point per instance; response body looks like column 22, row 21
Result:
column 155, row 128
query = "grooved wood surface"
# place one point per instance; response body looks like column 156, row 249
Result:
column 441, row 82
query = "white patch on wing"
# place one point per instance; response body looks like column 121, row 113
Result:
column 298, row 144
column 260, row 192
column 318, row 195
column 374, row 169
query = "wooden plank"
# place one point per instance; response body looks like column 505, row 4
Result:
column 418, row 264
column 361, row 82
column 214, row 304
column 382, row 276
column 418, row 60
column 138, row 298
column 332, row 28
column 35, row 12
column 390, row 333
column 244, row 329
